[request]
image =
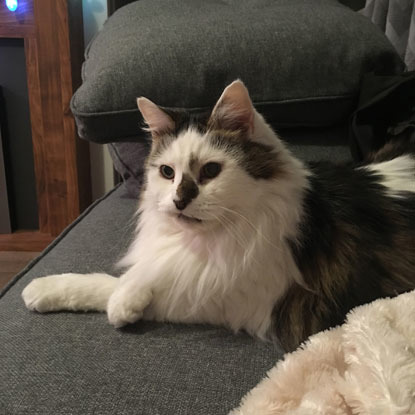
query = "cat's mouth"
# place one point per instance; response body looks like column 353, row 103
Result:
column 188, row 219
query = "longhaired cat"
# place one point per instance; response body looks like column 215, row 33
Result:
column 235, row 231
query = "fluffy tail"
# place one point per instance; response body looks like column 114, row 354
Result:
column 76, row 292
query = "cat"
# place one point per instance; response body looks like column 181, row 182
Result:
column 233, row 230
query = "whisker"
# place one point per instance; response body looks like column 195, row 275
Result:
column 251, row 225
column 227, row 228
column 231, row 228
column 236, row 231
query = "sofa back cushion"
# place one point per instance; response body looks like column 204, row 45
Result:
column 302, row 61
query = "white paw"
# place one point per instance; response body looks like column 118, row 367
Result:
column 42, row 294
column 124, row 308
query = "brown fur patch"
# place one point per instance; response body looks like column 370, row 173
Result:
column 258, row 160
column 391, row 150
column 355, row 245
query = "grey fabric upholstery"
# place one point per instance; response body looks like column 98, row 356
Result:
column 319, row 144
column 302, row 61
column 128, row 159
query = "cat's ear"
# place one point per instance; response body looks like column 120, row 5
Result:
column 234, row 110
column 158, row 121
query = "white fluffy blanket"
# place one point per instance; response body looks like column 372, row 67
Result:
column 365, row 366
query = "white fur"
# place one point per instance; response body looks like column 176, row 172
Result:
column 229, row 270
column 69, row 292
column 397, row 174
column 365, row 367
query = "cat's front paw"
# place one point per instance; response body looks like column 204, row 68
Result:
column 42, row 295
column 124, row 308
column 121, row 314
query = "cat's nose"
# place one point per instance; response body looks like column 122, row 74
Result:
column 181, row 204
column 186, row 192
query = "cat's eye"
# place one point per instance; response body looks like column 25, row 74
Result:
column 167, row 172
column 210, row 170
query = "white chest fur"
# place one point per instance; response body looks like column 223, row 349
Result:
column 230, row 276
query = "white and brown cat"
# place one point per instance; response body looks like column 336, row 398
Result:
column 235, row 231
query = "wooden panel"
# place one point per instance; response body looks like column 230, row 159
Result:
column 59, row 140
column 12, row 263
column 53, row 140
column 53, row 34
column 36, row 119
column 67, row 122
column 25, row 241
column 19, row 23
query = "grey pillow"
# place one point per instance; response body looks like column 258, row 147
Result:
column 302, row 61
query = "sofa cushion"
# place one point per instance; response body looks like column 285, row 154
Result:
column 302, row 61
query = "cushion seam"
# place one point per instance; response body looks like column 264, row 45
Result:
column 289, row 101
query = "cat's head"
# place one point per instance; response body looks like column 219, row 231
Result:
column 203, row 170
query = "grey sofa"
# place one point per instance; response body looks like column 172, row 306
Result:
column 76, row 363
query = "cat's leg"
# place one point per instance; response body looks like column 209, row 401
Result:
column 126, row 305
column 75, row 292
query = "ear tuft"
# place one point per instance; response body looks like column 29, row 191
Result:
column 234, row 109
column 157, row 120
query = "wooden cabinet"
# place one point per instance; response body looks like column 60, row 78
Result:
column 53, row 40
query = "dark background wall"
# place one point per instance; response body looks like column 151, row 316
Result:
column 18, row 141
